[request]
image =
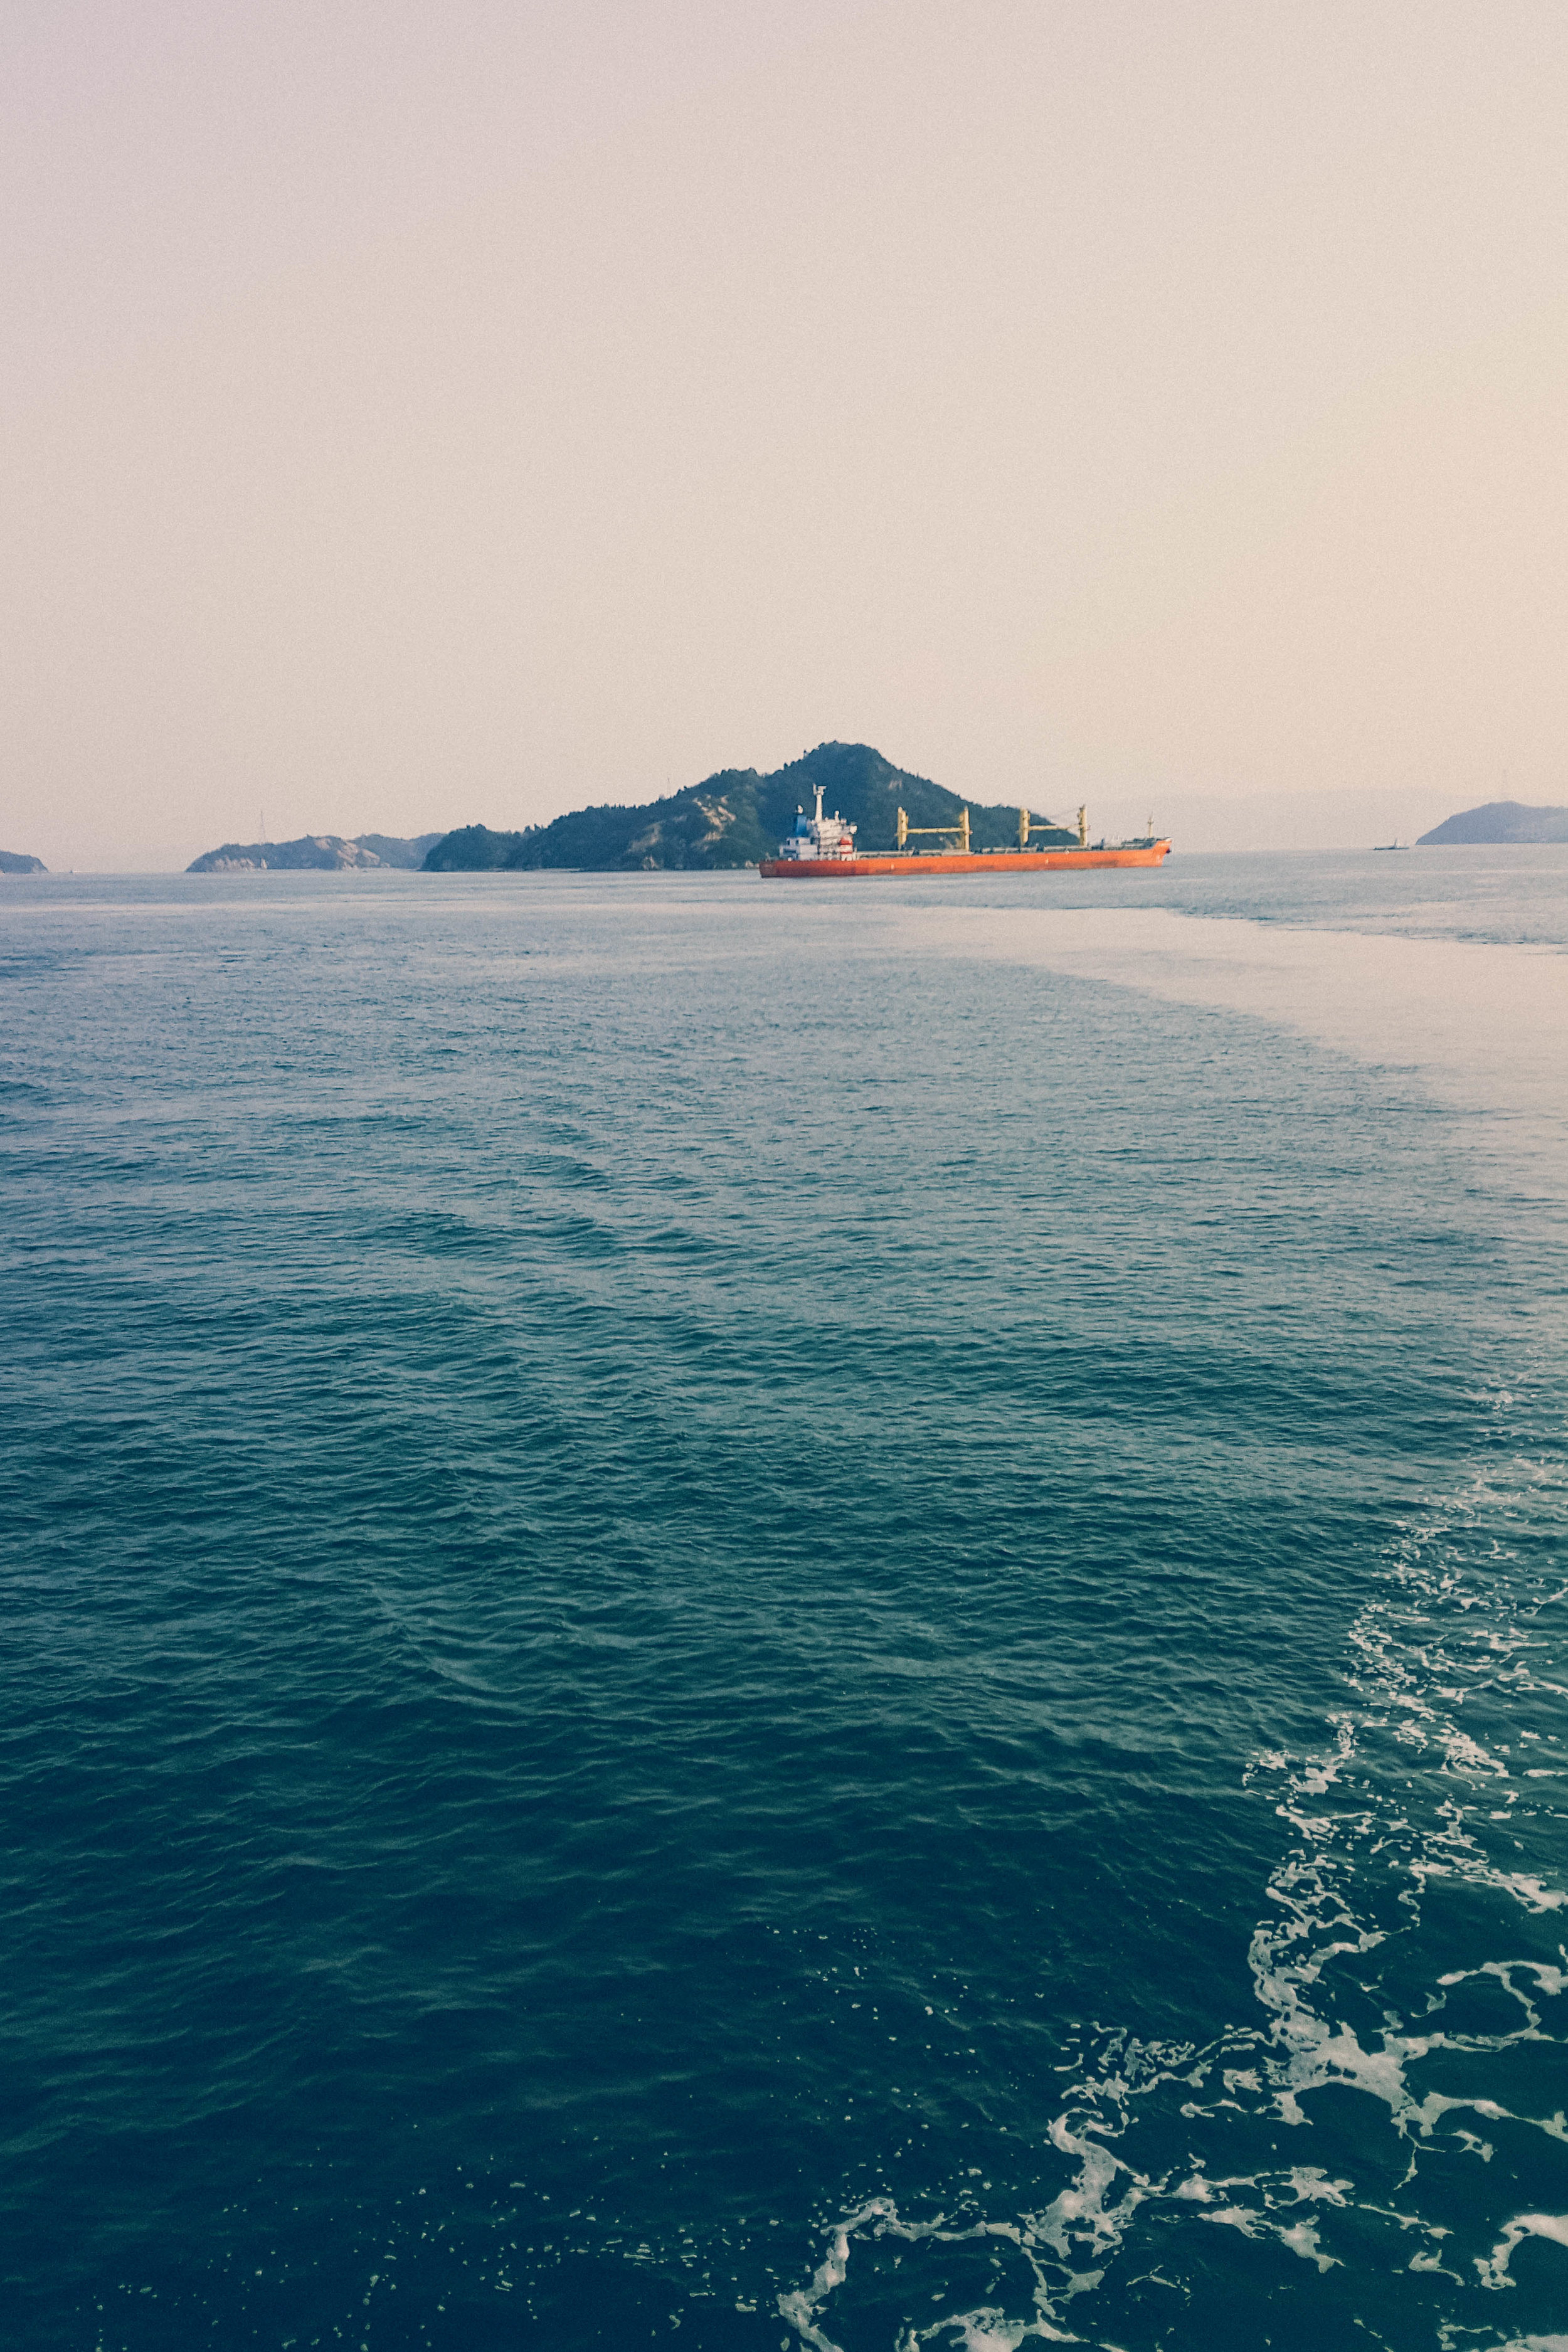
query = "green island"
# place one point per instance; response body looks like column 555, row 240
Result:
column 736, row 817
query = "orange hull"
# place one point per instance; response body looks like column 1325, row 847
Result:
column 978, row 861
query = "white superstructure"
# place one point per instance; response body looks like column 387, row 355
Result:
column 819, row 836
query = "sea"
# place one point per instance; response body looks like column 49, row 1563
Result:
column 746, row 1615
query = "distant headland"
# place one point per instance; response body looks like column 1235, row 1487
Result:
column 318, row 853
column 735, row 818
column 12, row 861
column 1500, row 821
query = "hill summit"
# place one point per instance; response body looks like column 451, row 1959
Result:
column 736, row 817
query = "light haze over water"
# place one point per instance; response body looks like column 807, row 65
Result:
column 749, row 1614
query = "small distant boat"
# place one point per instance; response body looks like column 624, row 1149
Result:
column 1391, row 844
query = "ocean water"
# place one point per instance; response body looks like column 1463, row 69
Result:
column 758, row 1616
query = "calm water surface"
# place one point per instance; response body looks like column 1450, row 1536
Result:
column 769, row 1617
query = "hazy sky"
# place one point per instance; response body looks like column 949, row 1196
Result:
column 416, row 414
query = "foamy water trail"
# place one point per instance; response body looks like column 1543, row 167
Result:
column 1408, row 1951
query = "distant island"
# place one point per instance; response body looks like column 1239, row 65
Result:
column 12, row 861
column 318, row 853
column 1500, row 821
column 736, row 817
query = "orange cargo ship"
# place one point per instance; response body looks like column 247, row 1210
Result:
column 823, row 848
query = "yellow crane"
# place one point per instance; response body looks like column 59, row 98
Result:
column 1050, row 825
column 959, row 831
column 906, row 832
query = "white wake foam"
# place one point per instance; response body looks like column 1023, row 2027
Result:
column 1402, row 1797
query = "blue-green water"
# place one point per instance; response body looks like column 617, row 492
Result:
column 762, row 1616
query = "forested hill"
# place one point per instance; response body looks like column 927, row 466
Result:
column 733, row 818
